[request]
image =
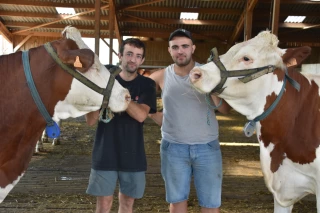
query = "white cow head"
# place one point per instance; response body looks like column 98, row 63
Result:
column 247, row 98
column 81, row 99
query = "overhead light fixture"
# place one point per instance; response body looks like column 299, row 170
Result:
column 65, row 10
column 185, row 15
column 294, row 19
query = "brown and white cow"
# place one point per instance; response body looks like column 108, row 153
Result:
column 21, row 123
column 289, row 136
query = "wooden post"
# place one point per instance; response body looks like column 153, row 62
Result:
column 248, row 22
column 275, row 17
column 97, row 27
column 111, row 27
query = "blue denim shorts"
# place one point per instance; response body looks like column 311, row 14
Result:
column 204, row 161
column 103, row 183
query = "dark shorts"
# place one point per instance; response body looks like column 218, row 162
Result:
column 103, row 183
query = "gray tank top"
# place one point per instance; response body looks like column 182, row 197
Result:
column 185, row 112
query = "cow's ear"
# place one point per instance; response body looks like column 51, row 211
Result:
column 84, row 59
column 69, row 53
column 81, row 59
column 295, row 56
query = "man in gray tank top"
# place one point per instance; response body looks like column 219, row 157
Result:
column 189, row 128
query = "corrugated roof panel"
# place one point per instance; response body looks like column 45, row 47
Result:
column 226, row 19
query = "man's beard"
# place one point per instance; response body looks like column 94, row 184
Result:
column 182, row 63
column 131, row 70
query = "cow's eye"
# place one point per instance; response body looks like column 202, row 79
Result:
column 245, row 58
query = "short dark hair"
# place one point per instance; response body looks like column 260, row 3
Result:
column 133, row 42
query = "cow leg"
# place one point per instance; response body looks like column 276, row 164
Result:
column 39, row 146
column 56, row 141
column 44, row 137
column 280, row 209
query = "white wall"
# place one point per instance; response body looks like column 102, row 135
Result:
column 104, row 50
column 310, row 68
column 5, row 46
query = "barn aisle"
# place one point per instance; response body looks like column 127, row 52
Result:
column 56, row 180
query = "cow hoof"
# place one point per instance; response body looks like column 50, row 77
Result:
column 38, row 150
column 45, row 139
column 55, row 142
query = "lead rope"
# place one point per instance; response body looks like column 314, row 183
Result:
column 210, row 106
column 52, row 128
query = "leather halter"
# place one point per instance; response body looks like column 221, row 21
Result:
column 105, row 92
column 249, row 75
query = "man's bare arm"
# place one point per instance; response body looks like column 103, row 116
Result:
column 92, row 117
column 157, row 117
column 224, row 107
column 138, row 111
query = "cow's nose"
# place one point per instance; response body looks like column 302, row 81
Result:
column 195, row 75
column 128, row 97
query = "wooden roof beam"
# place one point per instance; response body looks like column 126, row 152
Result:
column 26, row 25
column 97, row 6
column 299, row 26
column 179, row 9
column 16, row 48
column 140, row 5
column 112, row 15
column 283, row 38
column 275, row 17
column 260, row 13
column 116, row 27
column 5, row 32
column 167, row 22
column 239, row 27
column 291, row 2
column 50, row 16
column 48, row 4
column 42, row 25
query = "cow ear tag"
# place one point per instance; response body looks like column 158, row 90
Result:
column 77, row 63
column 249, row 128
column 53, row 131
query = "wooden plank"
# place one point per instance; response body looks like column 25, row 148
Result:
column 45, row 24
column 116, row 25
column 48, row 3
column 139, row 5
column 22, row 42
column 5, row 32
column 112, row 14
column 97, row 27
column 275, row 16
column 109, row 46
column 179, row 9
column 236, row 32
column 248, row 23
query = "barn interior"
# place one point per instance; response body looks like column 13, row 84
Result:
column 57, row 178
column 213, row 23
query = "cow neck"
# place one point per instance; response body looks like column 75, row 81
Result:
column 250, row 126
column 52, row 128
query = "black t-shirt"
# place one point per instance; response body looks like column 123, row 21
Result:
column 119, row 144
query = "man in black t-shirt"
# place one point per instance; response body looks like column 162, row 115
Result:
column 118, row 151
